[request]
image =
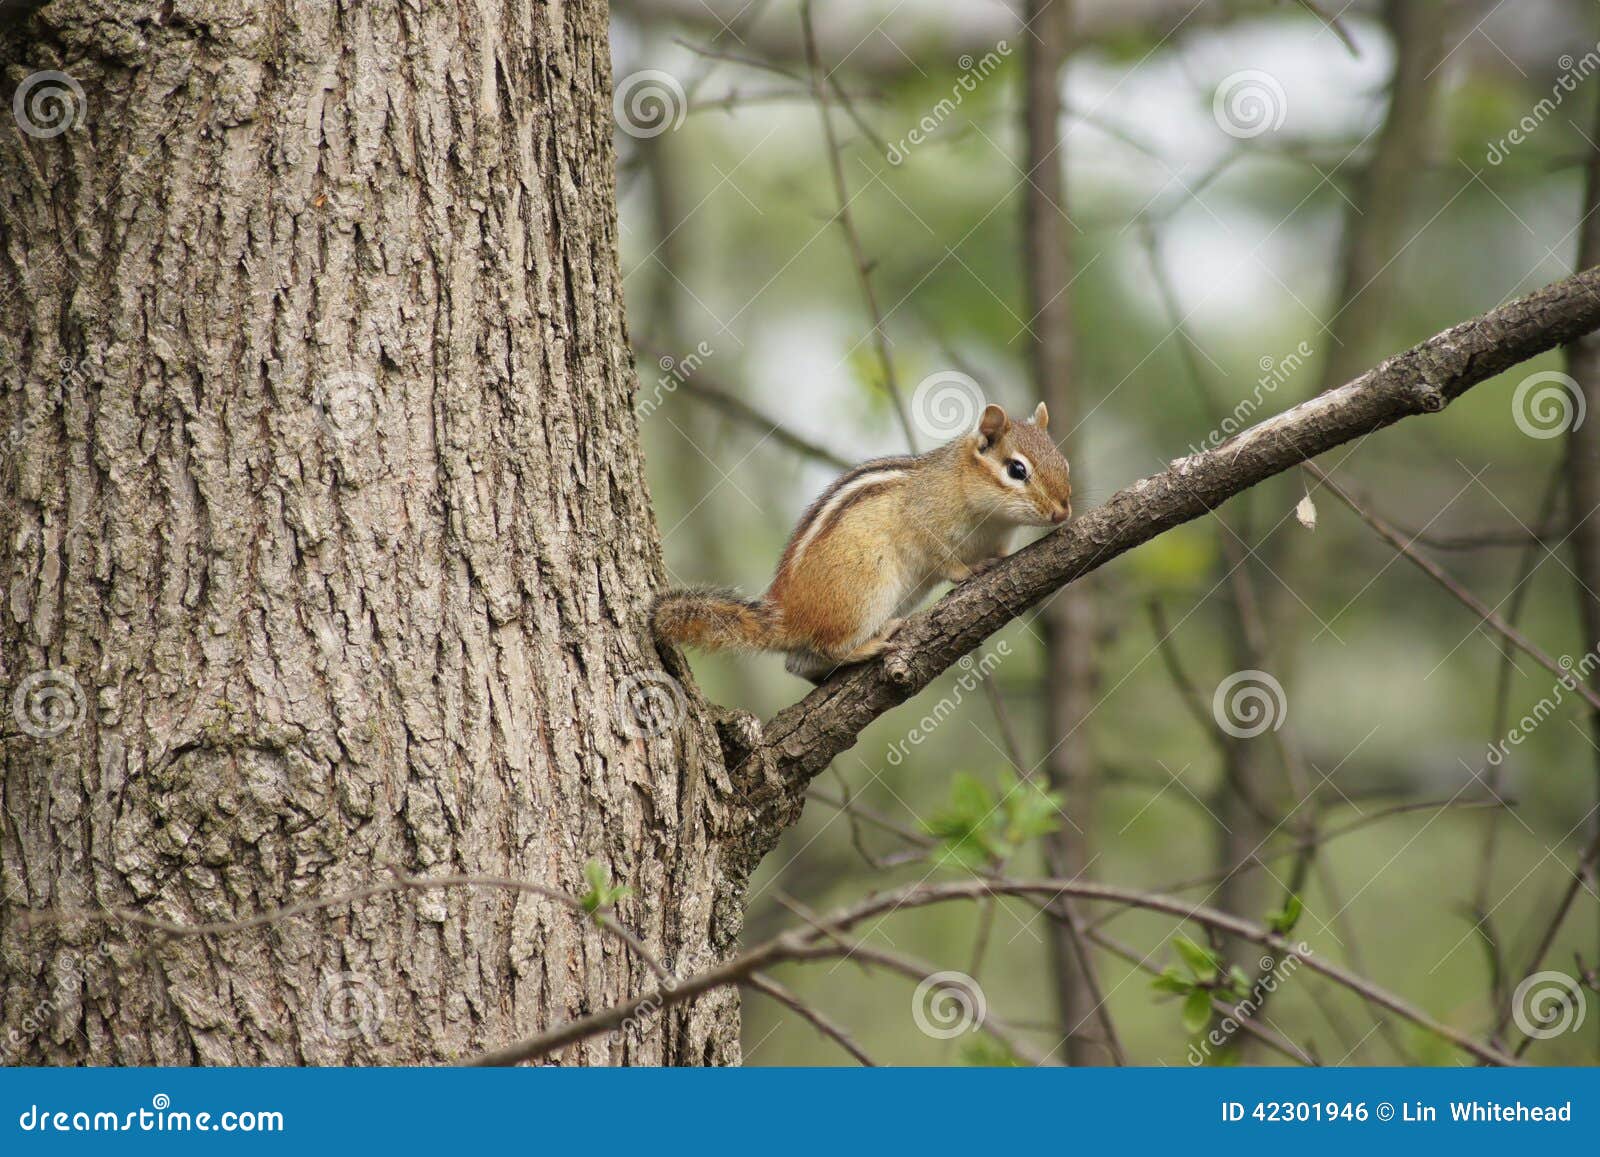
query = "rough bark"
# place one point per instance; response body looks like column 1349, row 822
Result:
column 328, row 499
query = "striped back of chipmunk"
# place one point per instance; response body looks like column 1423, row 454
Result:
column 849, row 488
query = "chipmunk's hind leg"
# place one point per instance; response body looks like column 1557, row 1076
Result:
column 817, row 666
column 875, row 645
column 809, row 665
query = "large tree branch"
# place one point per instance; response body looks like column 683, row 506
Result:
column 773, row 764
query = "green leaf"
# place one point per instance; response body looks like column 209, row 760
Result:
column 1226, row 1057
column 1201, row 961
column 1283, row 921
column 1197, row 1010
column 1031, row 812
column 983, row 826
column 1173, row 981
column 601, row 894
column 985, row 1052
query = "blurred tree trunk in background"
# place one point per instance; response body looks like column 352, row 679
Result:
column 1374, row 233
column 327, row 544
column 1373, row 237
column 1068, row 617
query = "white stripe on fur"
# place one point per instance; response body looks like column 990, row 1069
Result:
column 844, row 492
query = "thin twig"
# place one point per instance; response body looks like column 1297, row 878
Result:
column 699, row 387
column 1259, row 860
column 811, row 944
column 1580, row 877
column 1334, row 24
column 880, row 336
column 1273, row 1040
column 1432, row 569
column 1481, row 910
column 768, row 987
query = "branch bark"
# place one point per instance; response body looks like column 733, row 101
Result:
column 772, row 765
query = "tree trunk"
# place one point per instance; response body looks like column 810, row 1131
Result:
column 1068, row 618
column 327, row 545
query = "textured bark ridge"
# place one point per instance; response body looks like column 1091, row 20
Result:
column 322, row 487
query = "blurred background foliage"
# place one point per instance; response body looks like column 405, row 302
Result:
column 731, row 247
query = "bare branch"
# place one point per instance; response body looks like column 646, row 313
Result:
column 1335, row 25
column 735, row 407
column 1462, row 595
column 769, row 987
column 825, row 941
column 772, row 774
column 1266, row 1036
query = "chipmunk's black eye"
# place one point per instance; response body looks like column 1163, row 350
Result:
column 1018, row 469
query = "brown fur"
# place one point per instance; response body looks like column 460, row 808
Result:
column 714, row 619
column 859, row 561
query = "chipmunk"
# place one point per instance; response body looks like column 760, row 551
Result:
column 872, row 546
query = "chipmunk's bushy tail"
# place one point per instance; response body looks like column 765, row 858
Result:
column 716, row 619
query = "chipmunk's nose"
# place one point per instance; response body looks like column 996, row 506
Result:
column 1063, row 512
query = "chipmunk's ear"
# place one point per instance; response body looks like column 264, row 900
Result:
column 991, row 426
column 1041, row 416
